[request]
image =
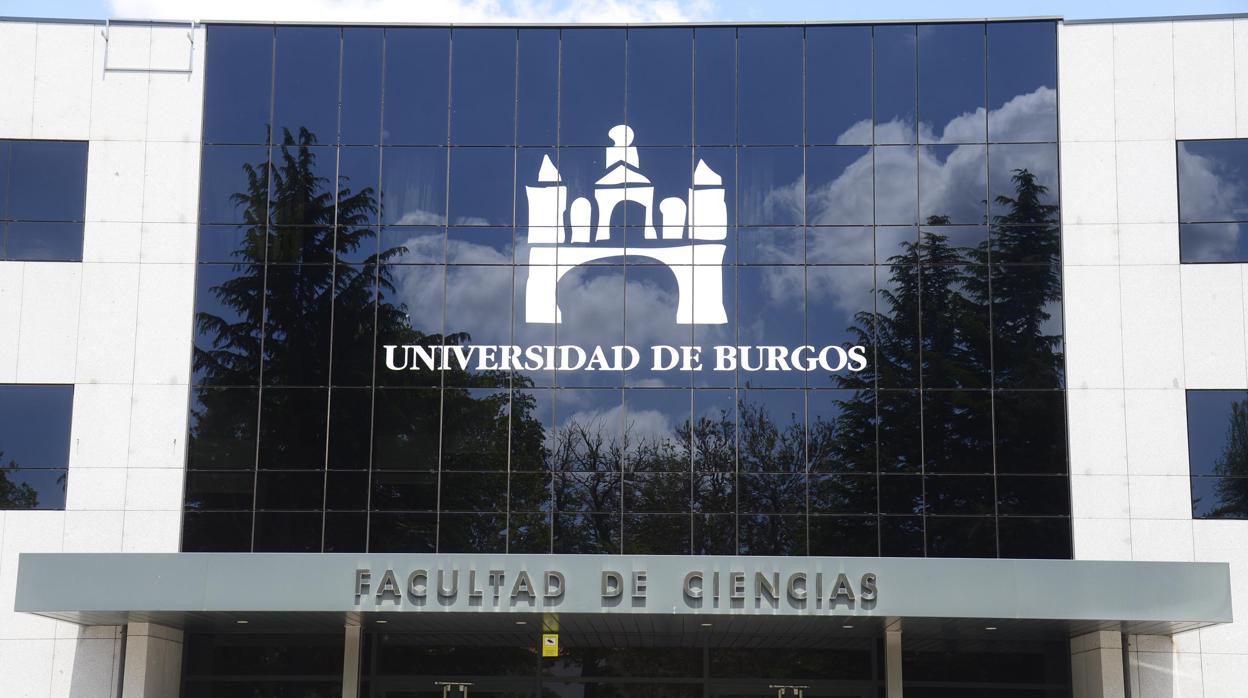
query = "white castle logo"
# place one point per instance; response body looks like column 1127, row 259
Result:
column 691, row 244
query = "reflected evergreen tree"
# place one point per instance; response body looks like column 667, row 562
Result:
column 16, row 495
column 291, row 274
column 1232, row 466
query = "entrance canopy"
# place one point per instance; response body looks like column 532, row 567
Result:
column 756, row 597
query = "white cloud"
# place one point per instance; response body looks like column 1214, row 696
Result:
column 466, row 11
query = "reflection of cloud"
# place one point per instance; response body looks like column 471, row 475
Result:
column 1211, row 189
column 418, row 217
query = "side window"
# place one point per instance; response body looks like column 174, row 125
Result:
column 43, row 187
column 1213, row 200
column 34, row 445
column 1217, row 443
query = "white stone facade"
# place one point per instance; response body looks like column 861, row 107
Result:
column 1141, row 328
column 117, row 325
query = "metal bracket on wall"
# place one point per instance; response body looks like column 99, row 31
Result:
column 151, row 24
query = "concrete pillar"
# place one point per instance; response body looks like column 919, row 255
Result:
column 153, row 661
column 351, row 662
column 1096, row 665
column 892, row 663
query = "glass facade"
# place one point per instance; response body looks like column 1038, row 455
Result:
column 43, row 199
column 1217, row 443
column 507, row 665
column 892, row 188
column 1213, row 200
column 34, row 445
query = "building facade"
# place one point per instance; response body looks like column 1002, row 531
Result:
column 711, row 360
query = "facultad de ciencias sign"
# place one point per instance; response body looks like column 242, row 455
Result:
column 547, row 589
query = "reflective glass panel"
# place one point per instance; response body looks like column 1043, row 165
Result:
column 483, row 86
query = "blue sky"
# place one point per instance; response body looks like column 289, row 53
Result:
column 723, row 10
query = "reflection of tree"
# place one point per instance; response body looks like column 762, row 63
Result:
column 15, row 495
column 1232, row 466
column 290, row 276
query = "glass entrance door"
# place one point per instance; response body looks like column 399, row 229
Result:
column 771, row 688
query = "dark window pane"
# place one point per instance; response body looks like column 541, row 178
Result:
column 714, row 534
column 844, row 535
column 839, row 185
column 715, row 492
column 900, row 431
column 290, row 490
column 840, row 431
column 305, row 82
column 538, row 87
column 361, row 85
column 951, row 83
column 43, row 242
column 288, row 532
column 770, row 100
column 413, row 186
column 901, row 536
column 47, row 181
column 35, row 425
column 660, row 85
column 592, row 492
column 530, row 492
column 1031, row 431
column 771, row 534
column 957, row 431
column 228, row 491
column 212, row 531
column 346, row 532
column 234, row 185
column 657, row 433
column 1213, row 242
column 346, row 491
column 959, row 494
column 404, row 491
column 656, row 534
column 838, row 85
column 238, row 75
column 1036, row 538
column 473, row 492
column 301, row 182
column 472, row 533
column 1022, row 81
column 901, row 494
column 843, row 494
column 292, row 428
column 771, row 431
column 298, row 305
column 895, row 84
column 222, row 429
column 410, row 244
column 402, row 533
column 592, row 89
column 528, row 533
column 587, row 534
column 23, row 488
column 952, row 184
column 715, row 86
column 405, row 428
column 771, row 493
column 481, row 186
column 1220, row 497
column 230, row 243
column 958, row 536
column 350, row 427
column 657, row 492
column 483, row 85
column 1216, row 422
column 1027, row 337
column 1033, row 496
column 354, row 321
column 955, row 320
column 417, row 71
column 256, row 654
column 769, row 245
